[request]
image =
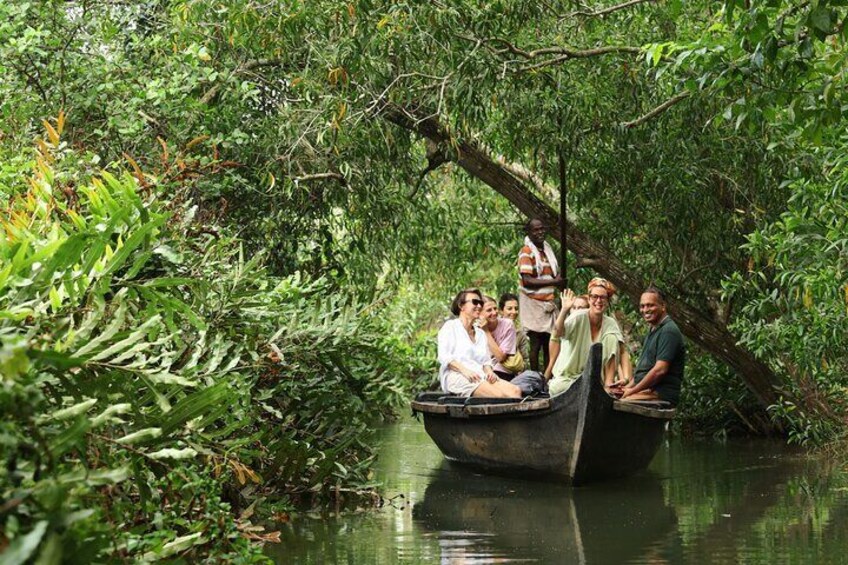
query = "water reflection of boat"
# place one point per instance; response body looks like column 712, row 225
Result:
column 579, row 436
column 498, row 518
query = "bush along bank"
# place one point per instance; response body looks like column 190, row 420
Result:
column 159, row 389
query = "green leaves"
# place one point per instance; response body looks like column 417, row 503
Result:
column 197, row 404
column 24, row 547
column 14, row 361
column 821, row 19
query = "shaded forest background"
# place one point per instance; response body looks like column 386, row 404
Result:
column 230, row 229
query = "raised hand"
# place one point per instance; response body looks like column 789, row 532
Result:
column 568, row 299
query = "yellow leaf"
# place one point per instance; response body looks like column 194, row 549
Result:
column 382, row 23
column 42, row 148
column 164, row 148
column 240, row 476
column 51, row 133
column 139, row 176
column 337, row 75
column 253, row 476
column 196, row 140
column 60, row 122
column 808, row 298
column 76, row 218
column 272, row 180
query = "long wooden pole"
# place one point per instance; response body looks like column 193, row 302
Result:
column 563, row 193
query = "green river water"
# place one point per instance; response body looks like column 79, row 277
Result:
column 699, row 502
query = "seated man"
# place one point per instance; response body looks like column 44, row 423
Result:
column 659, row 371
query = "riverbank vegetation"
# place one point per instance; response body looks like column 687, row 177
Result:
column 228, row 229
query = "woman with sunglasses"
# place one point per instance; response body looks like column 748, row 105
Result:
column 582, row 330
column 465, row 362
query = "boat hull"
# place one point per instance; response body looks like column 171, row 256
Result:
column 578, row 436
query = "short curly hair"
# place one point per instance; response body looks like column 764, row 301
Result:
column 655, row 290
column 459, row 299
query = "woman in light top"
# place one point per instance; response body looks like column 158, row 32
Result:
column 500, row 334
column 465, row 362
column 582, row 330
column 580, row 303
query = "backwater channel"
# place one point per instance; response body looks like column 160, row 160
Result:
column 701, row 501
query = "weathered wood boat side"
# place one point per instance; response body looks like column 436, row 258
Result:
column 579, row 436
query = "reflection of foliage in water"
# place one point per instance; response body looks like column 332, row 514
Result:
column 754, row 501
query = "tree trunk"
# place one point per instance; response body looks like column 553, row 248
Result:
column 710, row 334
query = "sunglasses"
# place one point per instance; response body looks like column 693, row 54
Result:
column 475, row 301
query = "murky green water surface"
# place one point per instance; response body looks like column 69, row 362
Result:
column 699, row 502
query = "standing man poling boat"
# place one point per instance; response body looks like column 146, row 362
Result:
column 539, row 281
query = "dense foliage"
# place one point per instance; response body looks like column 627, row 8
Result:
column 219, row 317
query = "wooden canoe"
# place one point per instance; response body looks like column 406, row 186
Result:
column 579, row 436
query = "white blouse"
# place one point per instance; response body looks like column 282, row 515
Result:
column 455, row 345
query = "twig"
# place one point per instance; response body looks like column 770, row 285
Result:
column 568, row 54
column 743, row 418
column 656, row 111
column 565, row 52
column 588, row 262
column 320, row 176
column 611, row 9
column 210, row 94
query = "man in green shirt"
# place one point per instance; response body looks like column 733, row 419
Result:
column 659, row 372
